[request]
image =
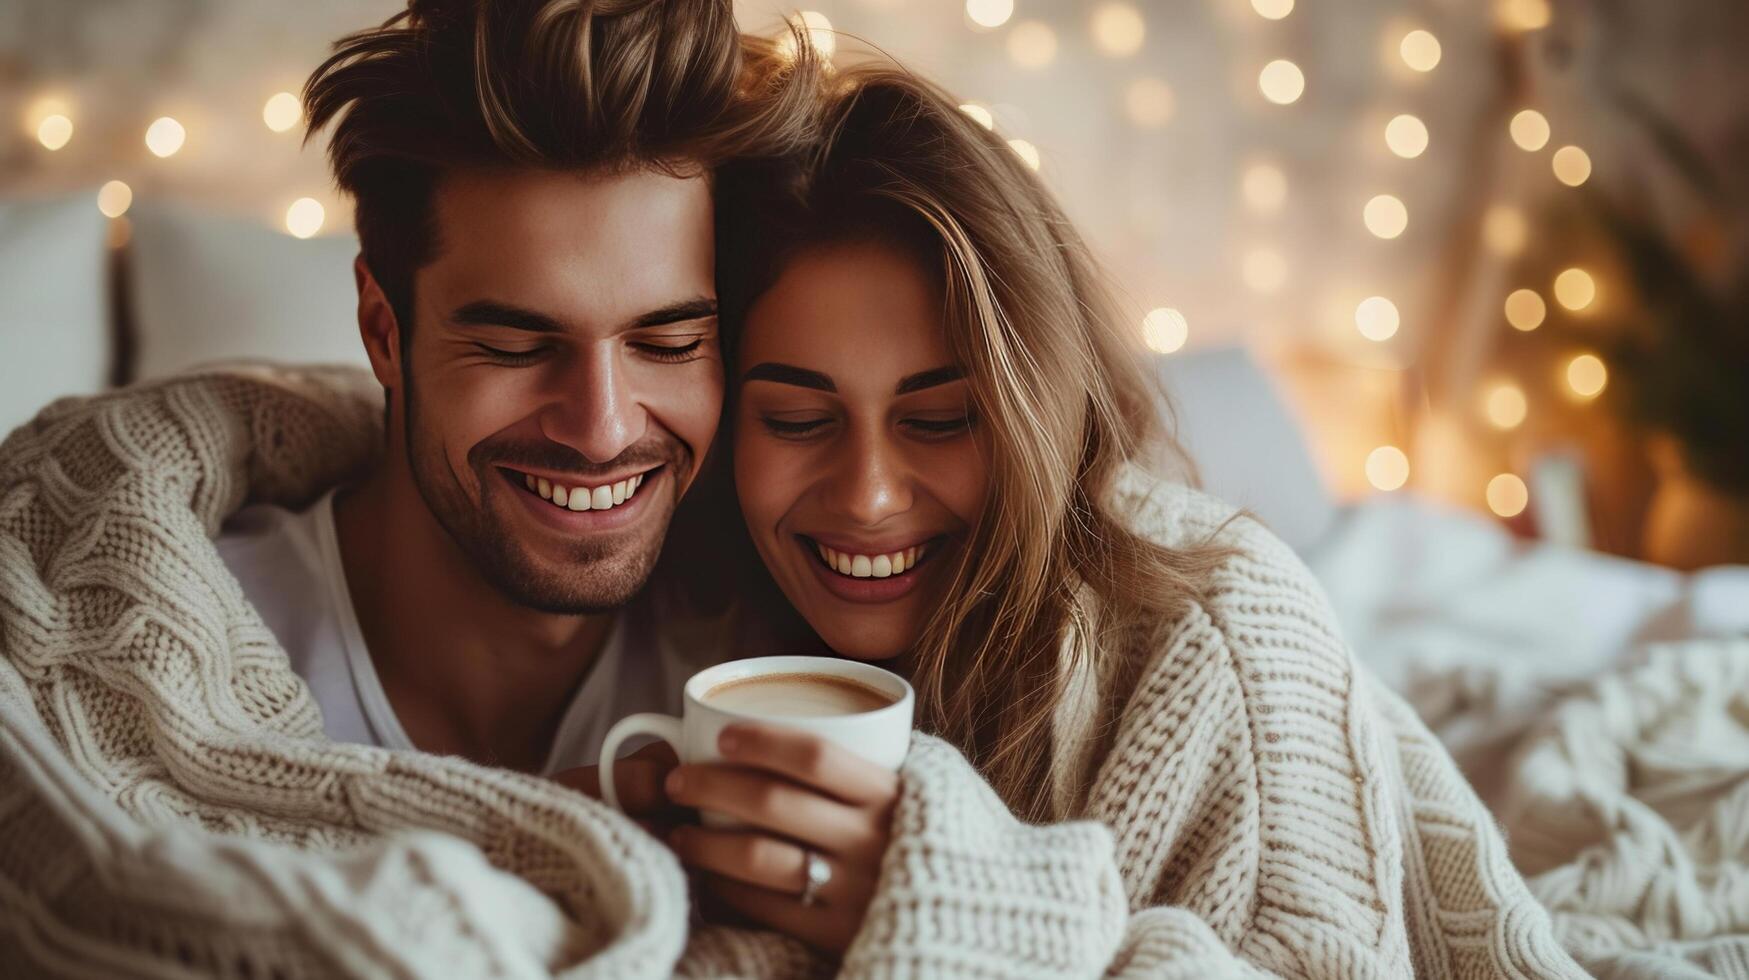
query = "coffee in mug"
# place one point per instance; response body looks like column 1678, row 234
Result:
column 797, row 696
column 858, row 706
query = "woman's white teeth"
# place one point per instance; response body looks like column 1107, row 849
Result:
column 583, row 498
column 871, row 566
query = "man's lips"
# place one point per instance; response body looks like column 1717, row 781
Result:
column 585, row 507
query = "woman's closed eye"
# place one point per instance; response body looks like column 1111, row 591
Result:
column 795, row 426
column 937, row 426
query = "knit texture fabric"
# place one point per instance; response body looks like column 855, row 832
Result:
column 172, row 807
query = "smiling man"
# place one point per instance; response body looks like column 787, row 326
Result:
column 534, row 202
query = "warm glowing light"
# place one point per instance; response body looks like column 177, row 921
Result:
column 1026, row 151
column 1522, row 15
column 989, row 13
column 1506, row 406
column 1386, row 216
column 1420, row 50
column 282, row 112
column 1572, row 166
column 1264, row 270
column 304, row 217
column 165, row 136
column 1575, row 289
column 1118, row 29
column 1264, row 187
column 54, row 131
column 1282, row 82
column 1165, row 330
column 981, row 114
column 1507, row 495
column 818, row 30
column 1505, row 230
column 1149, row 103
column 1586, row 376
column 114, row 198
column 1525, row 309
column 1406, row 136
column 1387, row 468
column 1032, row 44
column 1377, row 318
column 1273, row 9
column 1530, row 130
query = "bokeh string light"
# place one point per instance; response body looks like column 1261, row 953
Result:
column 1377, row 319
column 1118, row 29
column 1586, row 376
column 304, row 218
column 1572, row 166
column 1507, row 495
column 1420, row 50
column 282, row 112
column 1406, row 135
column 55, row 131
column 114, row 199
column 1386, row 216
column 1525, row 309
column 1505, row 406
column 1387, row 468
column 1264, row 187
column 165, row 136
column 1165, row 330
column 1530, row 130
column 1282, row 82
column 1273, row 9
column 1575, row 289
column 979, row 113
column 989, row 14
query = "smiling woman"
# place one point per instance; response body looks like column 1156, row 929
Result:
column 940, row 437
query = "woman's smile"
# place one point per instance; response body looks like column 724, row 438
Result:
column 861, row 573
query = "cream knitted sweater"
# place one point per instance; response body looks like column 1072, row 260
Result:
column 171, row 807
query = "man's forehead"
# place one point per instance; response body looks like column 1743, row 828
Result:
column 597, row 249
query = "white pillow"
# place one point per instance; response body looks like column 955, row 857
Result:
column 1247, row 448
column 214, row 288
column 54, row 311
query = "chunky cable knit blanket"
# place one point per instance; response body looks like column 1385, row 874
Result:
column 171, row 807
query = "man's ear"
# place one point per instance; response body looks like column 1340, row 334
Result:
column 377, row 326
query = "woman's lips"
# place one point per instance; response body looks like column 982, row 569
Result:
column 868, row 578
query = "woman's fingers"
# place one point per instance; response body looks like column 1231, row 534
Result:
column 776, row 805
column 753, row 858
column 808, row 759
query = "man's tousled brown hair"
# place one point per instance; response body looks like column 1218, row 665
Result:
column 588, row 85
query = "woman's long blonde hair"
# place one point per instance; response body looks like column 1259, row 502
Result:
column 1063, row 400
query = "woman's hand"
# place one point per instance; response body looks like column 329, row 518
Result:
column 797, row 793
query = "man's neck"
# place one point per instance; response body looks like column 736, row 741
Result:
column 467, row 671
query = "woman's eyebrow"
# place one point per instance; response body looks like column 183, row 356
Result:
column 788, row 374
column 928, row 379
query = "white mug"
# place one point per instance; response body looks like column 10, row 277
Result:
column 881, row 736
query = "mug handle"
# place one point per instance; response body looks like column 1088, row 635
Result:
column 665, row 727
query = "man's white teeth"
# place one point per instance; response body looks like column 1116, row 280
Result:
column 583, row 498
column 871, row 566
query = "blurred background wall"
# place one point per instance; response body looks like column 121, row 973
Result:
column 1394, row 204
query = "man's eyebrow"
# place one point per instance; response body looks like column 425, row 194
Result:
column 696, row 308
column 788, row 374
column 928, row 379
column 485, row 313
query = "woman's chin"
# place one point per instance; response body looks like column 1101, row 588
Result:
column 855, row 644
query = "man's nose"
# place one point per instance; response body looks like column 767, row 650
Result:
column 871, row 480
column 594, row 409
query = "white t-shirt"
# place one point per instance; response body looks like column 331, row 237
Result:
column 289, row 566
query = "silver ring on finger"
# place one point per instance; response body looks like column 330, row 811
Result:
column 817, row 874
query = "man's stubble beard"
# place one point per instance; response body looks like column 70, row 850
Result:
column 598, row 576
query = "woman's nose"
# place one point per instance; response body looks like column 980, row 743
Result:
column 870, row 481
column 594, row 409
